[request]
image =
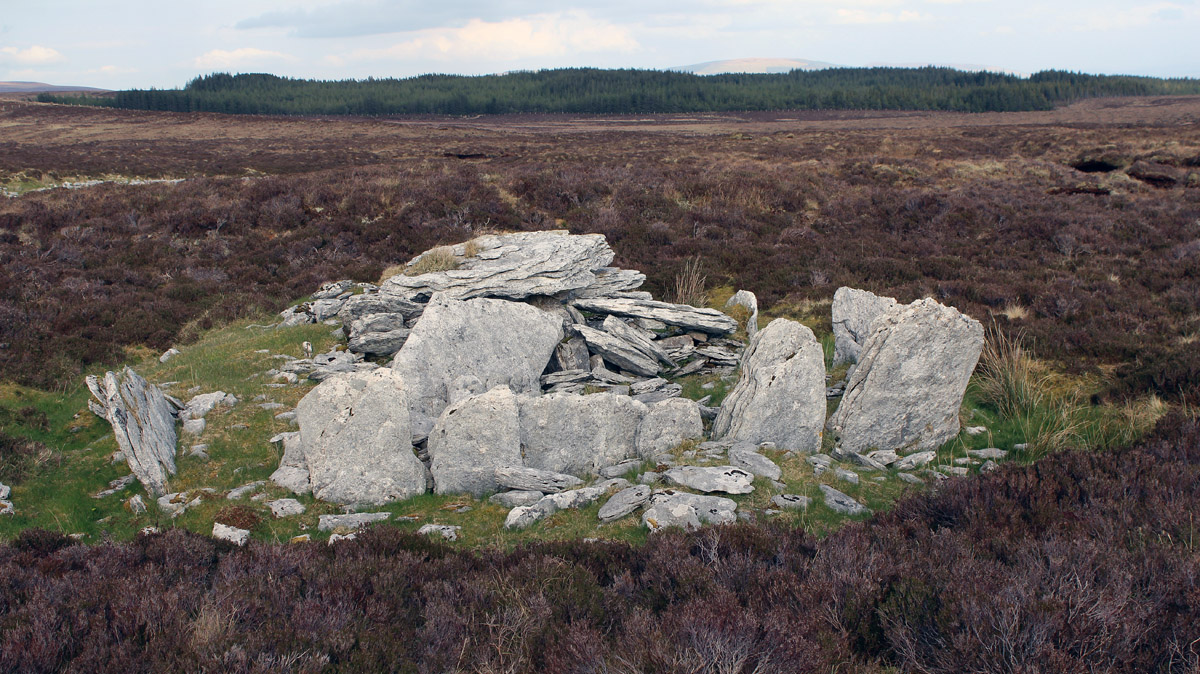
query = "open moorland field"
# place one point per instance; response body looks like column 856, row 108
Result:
column 1075, row 233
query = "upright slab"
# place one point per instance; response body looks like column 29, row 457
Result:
column 579, row 434
column 853, row 312
column 142, row 422
column 912, row 373
column 473, row 438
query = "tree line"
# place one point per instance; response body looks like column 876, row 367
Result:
column 588, row 90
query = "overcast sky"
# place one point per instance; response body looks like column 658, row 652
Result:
column 163, row 43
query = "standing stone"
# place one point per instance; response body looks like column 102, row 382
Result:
column 472, row 438
column 667, row 424
column 780, row 394
column 579, row 434
column 907, row 389
column 745, row 298
column 143, row 423
column 357, row 441
column 498, row 342
column 853, row 312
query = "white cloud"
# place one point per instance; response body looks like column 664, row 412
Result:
column 1137, row 15
column 560, row 34
column 221, row 58
column 35, row 55
column 860, row 16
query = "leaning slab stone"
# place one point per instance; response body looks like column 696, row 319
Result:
column 709, row 321
column 745, row 456
column 292, row 473
column 667, row 424
column 498, row 342
column 143, row 423
column 234, row 535
column 641, row 340
column 351, row 521
column 579, row 434
column 532, row 479
column 853, row 313
column 624, row 502
column 611, row 281
column 839, row 502
column 572, row 354
column 513, row 266
column 745, row 298
column 471, row 439
column 617, row 351
column 728, row 479
column 908, row 386
column 780, row 394
column 357, row 441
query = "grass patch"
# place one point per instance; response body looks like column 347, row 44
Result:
column 438, row 259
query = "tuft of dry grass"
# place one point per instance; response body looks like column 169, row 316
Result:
column 690, row 284
column 438, row 259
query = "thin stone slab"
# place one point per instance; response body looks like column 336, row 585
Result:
column 612, row 281
column 517, row 497
column 641, row 340
column 745, row 456
column 143, row 423
column 624, row 502
column 511, row 266
column 617, row 351
column 727, row 479
column 709, row 321
column 914, row 461
column 350, row 521
column 746, row 299
column 994, row 453
column 839, row 502
column 532, row 479
column 792, row 501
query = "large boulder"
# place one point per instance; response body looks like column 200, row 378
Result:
column 143, row 423
column 513, row 266
column 357, row 441
column 780, row 394
column 500, row 343
column 908, row 386
column 472, row 438
column 579, row 434
column 667, row 424
column 681, row 315
column 853, row 312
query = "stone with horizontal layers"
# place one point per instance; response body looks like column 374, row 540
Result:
column 641, row 340
column 471, row 439
column 499, row 343
column 368, row 304
column 143, row 423
column 854, row 311
column 579, row 434
column 617, row 351
column 906, row 391
column 780, row 394
column 532, row 479
column 511, row 266
column 357, row 441
column 349, row 521
column 709, row 321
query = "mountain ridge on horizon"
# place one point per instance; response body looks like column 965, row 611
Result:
column 21, row 87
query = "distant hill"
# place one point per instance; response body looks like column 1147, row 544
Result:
column 753, row 65
column 39, row 87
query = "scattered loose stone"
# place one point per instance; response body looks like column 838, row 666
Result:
column 338, row 538
column 292, row 473
column 177, row 503
column 884, row 457
column 350, row 521
column 792, row 501
column 271, row 406
column 649, row 477
column 7, row 508
column 820, row 463
column 727, row 479
column 286, row 507
column 168, row 355
column 234, row 535
column 745, row 456
column 624, row 502
column 988, row 453
column 244, row 490
column 515, row 498
column 846, row 475
column 839, row 502
column 910, row 478
column 5, row 491
column 975, row 430
column 709, row 509
column 113, row 487
column 194, row 426
column 620, row 469
column 988, row 466
column 446, row 531
column 671, row 514
column 914, row 461
column 1020, row 447
column 958, row 471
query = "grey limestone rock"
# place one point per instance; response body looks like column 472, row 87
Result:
column 368, row 304
column 907, row 388
column 143, row 423
column 333, row 289
column 611, row 281
column 853, row 313
column 617, row 351
column 780, row 394
column 532, row 479
column 292, row 473
column 513, row 266
column 572, row 354
column 199, row 406
column 728, row 479
column 579, row 434
column 640, row 339
column 747, row 299
column 994, row 453
column 517, row 497
column 914, row 461
column 244, row 490
column 839, row 502
column 910, row 478
column 744, row 455
column 384, row 343
column 846, row 475
column 471, row 439
column 135, row 503
column 233, row 535
column 671, row 514
column 708, row 321
column 286, row 507
column 667, row 424
column 709, row 509
column 624, row 502
column 357, row 441
column 496, row 341
column 446, row 531
column 350, row 521
column 619, row 469
column 792, row 501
